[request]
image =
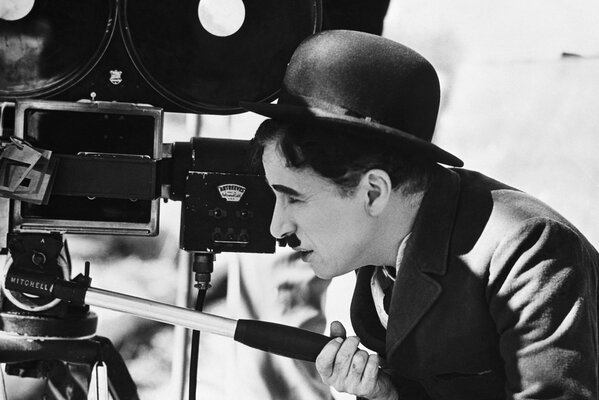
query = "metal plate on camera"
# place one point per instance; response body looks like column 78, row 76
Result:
column 227, row 212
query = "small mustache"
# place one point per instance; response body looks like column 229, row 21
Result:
column 291, row 241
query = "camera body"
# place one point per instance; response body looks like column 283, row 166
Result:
column 106, row 177
column 111, row 170
column 111, row 173
column 86, row 148
column 226, row 204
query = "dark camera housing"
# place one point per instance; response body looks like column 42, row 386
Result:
column 226, row 205
column 112, row 172
column 106, row 178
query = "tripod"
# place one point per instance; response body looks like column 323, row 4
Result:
column 44, row 337
column 43, row 281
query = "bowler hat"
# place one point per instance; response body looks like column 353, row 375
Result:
column 365, row 84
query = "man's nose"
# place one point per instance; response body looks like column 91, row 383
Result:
column 281, row 225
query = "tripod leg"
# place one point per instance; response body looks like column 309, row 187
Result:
column 54, row 379
column 70, row 375
column 3, row 392
column 65, row 381
column 120, row 383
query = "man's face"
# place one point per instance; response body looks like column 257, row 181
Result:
column 333, row 230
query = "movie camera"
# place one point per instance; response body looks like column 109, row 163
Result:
column 83, row 90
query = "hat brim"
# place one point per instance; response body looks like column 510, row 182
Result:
column 320, row 117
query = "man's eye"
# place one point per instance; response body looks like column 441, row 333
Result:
column 292, row 200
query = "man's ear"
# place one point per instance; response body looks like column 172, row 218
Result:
column 378, row 190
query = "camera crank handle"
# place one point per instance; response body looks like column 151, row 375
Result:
column 280, row 339
column 274, row 338
column 267, row 336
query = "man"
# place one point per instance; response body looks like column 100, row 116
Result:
column 466, row 288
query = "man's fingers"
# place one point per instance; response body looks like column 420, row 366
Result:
column 358, row 363
column 326, row 359
column 372, row 368
column 347, row 368
column 364, row 374
column 335, row 358
column 344, row 356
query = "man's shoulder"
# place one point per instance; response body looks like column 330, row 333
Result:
column 504, row 203
column 490, row 211
column 496, row 224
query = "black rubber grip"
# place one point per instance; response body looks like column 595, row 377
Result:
column 280, row 339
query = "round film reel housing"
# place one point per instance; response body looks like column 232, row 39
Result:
column 53, row 46
column 151, row 51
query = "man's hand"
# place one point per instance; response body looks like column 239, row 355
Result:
column 348, row 369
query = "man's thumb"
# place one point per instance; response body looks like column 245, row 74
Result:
column 337, row 329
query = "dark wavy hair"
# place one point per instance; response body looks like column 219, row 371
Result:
column 342, row 157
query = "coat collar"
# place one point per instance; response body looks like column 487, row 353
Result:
column 428, row 246
column 426, row 254
column 415, row 289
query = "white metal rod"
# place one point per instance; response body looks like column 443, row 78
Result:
column 161, row 312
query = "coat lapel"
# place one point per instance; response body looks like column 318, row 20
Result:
column 426, row 254
column 364, row 318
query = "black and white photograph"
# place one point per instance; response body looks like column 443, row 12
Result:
column 299, row 200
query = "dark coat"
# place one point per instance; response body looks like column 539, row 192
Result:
column 496, row 298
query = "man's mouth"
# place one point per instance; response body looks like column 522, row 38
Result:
column 304, row 254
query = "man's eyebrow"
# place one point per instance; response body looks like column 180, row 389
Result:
column 285, row 190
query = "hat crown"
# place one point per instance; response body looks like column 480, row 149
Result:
column 363, row 84
column 363, row 75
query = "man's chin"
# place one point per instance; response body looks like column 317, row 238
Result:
column 322, row 272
